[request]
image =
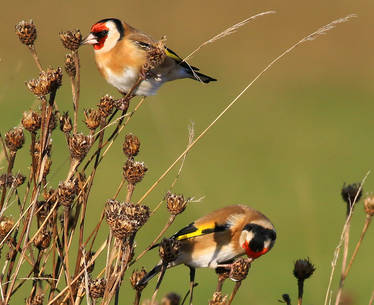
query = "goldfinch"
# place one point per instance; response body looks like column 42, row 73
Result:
column 216, row 239
column 121, row 52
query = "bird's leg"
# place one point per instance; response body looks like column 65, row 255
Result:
column 192, row 282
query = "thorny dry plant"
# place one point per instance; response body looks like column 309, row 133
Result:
column 42, row 238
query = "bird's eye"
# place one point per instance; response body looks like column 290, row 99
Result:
column 272, row 235
column 101, row 34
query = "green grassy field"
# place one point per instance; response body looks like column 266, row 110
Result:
column 285, row 148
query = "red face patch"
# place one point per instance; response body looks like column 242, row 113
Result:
column 98, row 30
column 253, row 254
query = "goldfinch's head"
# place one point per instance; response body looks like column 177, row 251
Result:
column 105, row 34
column 257, row 238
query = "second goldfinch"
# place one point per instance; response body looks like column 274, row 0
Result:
column 121, row 52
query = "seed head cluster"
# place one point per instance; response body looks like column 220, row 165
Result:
column 351, row 192
column 303, row 269
column 65, row 123
column 70, row 65
column 14, row 139
column 71, row 39
column 79, row 145
column 169, row 250
column 131, row 145
column 47, row 82
column 31, row 121
column 26, row 32
column 97, row 288
column 239, row 269
column 176, row 204
column 92, row 118
column 135, row 277
column 218, row 299
column 369, row 205
column 106, row 105
column 134, row 171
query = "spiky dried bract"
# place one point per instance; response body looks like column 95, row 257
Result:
column 92, row 118
column 65, row 123
column 125, row 219
column 239, row 269
column 97, row 288
column 70, row 65
column 106, row 105
column 171, row 299
column 369, row 205
column 134, row 171
column 176, row 204
column 43, row 239
column 122, row 104
column 26, row 32
column 31, row 121
column 169, row 250
column 47, row 82
column 79, row 145
column 131, row 145
column 303, row 269
column 67, row 191
column 218, row 299
column 36, row 299
column 71, row 39
column 14, row 138
column 135, row 277
column 351, row 192
column 6, row 224
column 155, row 56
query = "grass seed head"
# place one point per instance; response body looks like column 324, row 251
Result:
column 71, row 39
column 131, row 145
column 369, row 205
column 26, row 32
column 135, row 277
column 134, row 171
column 97, row 288
column 70, row 65
column 303, row 269
column 92, row 118
column 239, row 269
column 65, row 123
column 31, row 121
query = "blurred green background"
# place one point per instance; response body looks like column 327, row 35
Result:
column 285, row 148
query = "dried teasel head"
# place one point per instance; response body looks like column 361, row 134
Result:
column 303, row 269
column 106, row 105
column 135, row 277
column 176, row 204
column 6, row 224
column 169, row 250
column 134, row 171
column 369, row 205
column 171, row 299
column 351, row 192
column 97, row 288
column 71, row 39
column 92, row 118
column 36, row 299
column 31, row 121
column 47, row 82
column 131, row 145
column 125, row 219
column 122, row 104
column 26, row 32
column 43, row 239
column 66, row 192
column 79, row 145
column 65, row 123
column 70, row 65
column 14, row 139
column 239, row 269
column 218, row 299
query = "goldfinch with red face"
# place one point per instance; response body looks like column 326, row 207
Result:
column 216, row 239
column 121, row 53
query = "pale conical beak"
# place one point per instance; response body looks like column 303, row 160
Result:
column 90, row 39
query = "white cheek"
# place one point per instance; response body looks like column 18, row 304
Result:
column 267, row 243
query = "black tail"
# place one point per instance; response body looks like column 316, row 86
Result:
column 202, row 77
column 150, row 275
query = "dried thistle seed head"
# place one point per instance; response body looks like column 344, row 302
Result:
column 43, row 239
column 65, row 123
column 106, row 105
column 18, row 180
column 67, row 191
column 47, row 82
column 31, row 121
column 131, row 145
column 97, row 288
column 155, row 57
column 239, row 269
column 92, row 118
column 79, row 145
column 134, row 171
column 36, row 299
column 135, row 277
column 112, row 211
column 218, row 299
column 71, row 39
column 169, row 250
column 303, row 269
column 171, row 299
column 369, row 205
column 70, row 65
column 176, row 204
column 6, row 224
column 6, row 180
column 26, row 32
column 43, row 208
column 14, row 139
column 351, row 192
column 122, row 104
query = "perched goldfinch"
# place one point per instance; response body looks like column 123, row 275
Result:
column 216, row 239
column 121, row 53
